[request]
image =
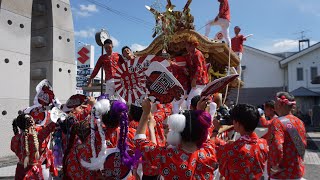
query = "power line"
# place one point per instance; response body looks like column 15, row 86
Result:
column 122, row 14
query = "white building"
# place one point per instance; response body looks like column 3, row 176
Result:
column 264, row 74
column 300, row 69
column 262, row 77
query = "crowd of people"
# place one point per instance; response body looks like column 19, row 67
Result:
column 108, row 139
column 103, row 139
column 197, row 137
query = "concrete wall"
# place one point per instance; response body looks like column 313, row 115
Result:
column 15, row 30
column 36, row 42
column 306, row 61
column 53, row 47
column 262, row 69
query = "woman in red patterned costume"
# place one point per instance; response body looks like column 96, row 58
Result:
column 27, row 144
column 89, row 160
column 190, row 155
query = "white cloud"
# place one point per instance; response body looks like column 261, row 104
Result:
column 82, row 13
column 88, row 8
column 137, row 47
column 85, row 10
column 282, row 45
column 91, row 32
column 85, row 33
column 115, row 41
column 286, row 45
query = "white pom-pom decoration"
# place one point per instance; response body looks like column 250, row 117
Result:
column 101, row 107
column 105, row 106
column 97, row 109
column 177, row 122
column 173, row 138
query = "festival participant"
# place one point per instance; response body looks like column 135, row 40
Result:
column 26, row 144
column 222, row 19
column 180, row 72
column 267, row 118
column 244, row 158
column 287, row 142
column 79, row 106
column 237, row 42
column 155, row 130
column 127, row 53
column 197, row 68
column 92, row 154
column 72, row 168
column 269, row 113
column 190, row 155
column 109, row 61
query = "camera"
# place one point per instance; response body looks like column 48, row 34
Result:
column 223, row 116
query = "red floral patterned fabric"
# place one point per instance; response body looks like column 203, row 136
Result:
column 83, row 151
column 197, row 68
column 18, row 147
column 175, row 163
column 283, row 152
column 266, row 123
column 243, row 159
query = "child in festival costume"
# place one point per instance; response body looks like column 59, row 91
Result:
column 190, row 156
column 287, row 141
column 197, row 68
column 26, row 144
column 245, row 158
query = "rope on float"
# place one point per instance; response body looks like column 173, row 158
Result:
column 229, row 67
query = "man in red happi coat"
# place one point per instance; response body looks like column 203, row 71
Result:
column 246, row 157
column 287, row 141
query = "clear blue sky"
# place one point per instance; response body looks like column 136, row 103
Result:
column 275, row 23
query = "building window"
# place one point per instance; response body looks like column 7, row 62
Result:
column 314, row 72
column 299, row 74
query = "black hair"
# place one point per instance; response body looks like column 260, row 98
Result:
column 107, row 41
column 247, row 115
column 67, row 124
column 123, row 48
column 238, row 27
column 194, row 101
column 269, row 104
column 196, row 129
column 112, row 118
column 135, row 113
column 24, row 121
column 15, row 126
